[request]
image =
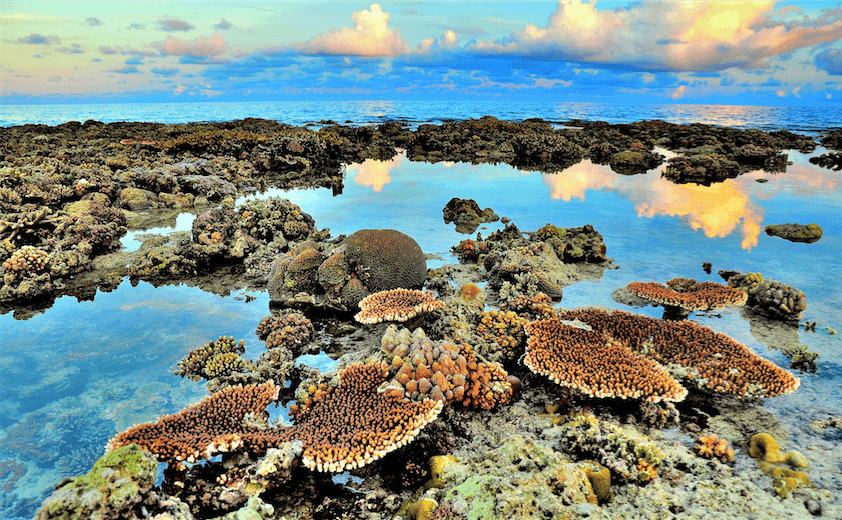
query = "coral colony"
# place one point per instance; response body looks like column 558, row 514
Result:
column 430, row 365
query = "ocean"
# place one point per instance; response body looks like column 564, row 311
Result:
column 75, row 374
column 804, row 119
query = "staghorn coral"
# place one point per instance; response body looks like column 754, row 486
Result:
column 685, row 295
column 715, row 361
column 709, row 447
column 629, row 455
column 396, row 305
column 386, row 259
column 589, row 362
column 194, row 364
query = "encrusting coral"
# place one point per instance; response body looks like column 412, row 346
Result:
column 396, row 305
column 684, row 295
column 629, row 455
column 780, row 465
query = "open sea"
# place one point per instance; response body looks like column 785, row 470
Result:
column 76, row 374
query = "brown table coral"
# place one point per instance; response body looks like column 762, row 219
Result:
column 680, row 296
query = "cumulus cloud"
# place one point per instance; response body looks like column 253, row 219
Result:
column 173, row 24
column 224, row 24
column 213, row 45
column 371, row 36
column 700, row 36
column 39, row 39
column 830, row 60
column 93, row 21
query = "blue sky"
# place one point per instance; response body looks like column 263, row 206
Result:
column 713, row 52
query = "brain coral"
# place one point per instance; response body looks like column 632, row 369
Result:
column 386, row 259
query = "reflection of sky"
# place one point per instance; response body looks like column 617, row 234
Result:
column 130, row 339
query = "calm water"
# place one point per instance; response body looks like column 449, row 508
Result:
column 796, row 119
column 73, row 376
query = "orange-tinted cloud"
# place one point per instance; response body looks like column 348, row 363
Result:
column 374, row 173
column 213, row 45
column 371, row 36
column 703, row 35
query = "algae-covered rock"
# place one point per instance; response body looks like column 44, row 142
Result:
column 467, row 215
column 518, row 479
column 796, row 232
column 114, row 488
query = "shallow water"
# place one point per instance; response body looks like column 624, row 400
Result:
column 78, row 373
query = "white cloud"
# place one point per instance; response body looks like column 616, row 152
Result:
column 701, row 35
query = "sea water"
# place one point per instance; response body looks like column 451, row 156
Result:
column 76, row 374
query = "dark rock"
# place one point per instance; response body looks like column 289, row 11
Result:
column 796, row 232
column 467, row 215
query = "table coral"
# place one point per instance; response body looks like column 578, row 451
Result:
column 590, row 363
column 684, row 295
column 717, row 362
column 396, row 305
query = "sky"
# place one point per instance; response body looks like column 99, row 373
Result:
column 699, row 52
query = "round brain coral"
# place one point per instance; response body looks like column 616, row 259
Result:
column 386, row 259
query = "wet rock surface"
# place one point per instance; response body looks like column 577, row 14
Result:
column 796, row 232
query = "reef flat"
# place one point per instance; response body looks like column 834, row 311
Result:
column 437, row 408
